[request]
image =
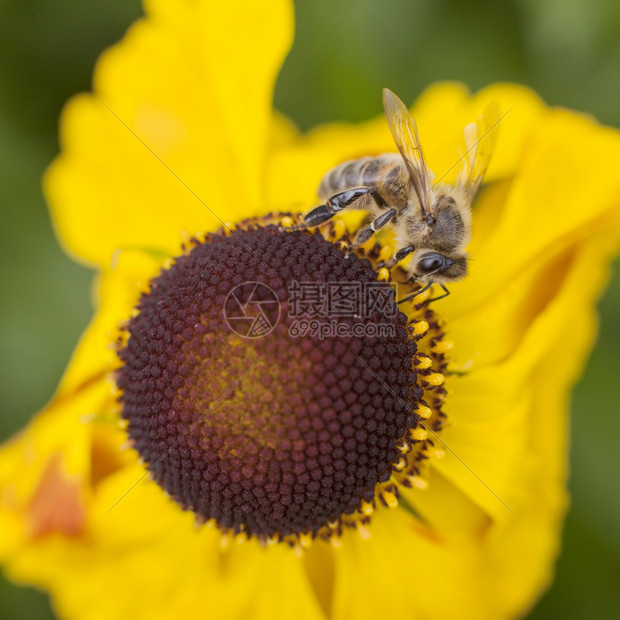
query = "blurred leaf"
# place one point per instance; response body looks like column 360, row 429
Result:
column 346, row 52
column 47, row 53
column 17, row 603
column 45, row 296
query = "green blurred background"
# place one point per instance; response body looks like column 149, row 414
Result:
column 345, row 52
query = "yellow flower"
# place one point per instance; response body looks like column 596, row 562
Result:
column 179, row 135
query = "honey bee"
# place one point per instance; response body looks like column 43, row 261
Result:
column 431, row 221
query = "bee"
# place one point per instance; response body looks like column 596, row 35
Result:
column 431, row 221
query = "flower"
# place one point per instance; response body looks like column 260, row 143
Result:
column 180, row 133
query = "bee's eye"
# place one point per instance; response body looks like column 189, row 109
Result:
column 431, row 263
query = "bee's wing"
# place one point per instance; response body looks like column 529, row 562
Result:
column 480, row 140
column 405, row 134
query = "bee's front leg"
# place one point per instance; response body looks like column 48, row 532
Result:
column 339, row 202
column 398, row 256
column 378, row 223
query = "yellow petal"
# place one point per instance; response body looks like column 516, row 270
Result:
column 140, row 542
column 180, row 117
column 506, row 434
column 399, row 572
column 116, row 293
column 281, row 589
column 51, row 456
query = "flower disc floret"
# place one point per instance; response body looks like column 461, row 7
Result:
column 274, row 436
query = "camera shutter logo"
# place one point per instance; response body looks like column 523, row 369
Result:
column 252, row 310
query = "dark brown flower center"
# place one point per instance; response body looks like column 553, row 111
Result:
column 244, row 417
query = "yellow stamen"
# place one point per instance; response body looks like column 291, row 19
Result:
column 286, row 221
column 437, row 453
column 305, row 540
column 386, row 253
column 363, row 531
column 417, row 482
column 383, row 275
column 424, row 412
column 403, row 447
column 367, row 508
column 418, row 434
column 339, row 229
column 420, row 297
column 443, row 346
column 419, row 328
column 423, row 362
column 390, row 499
column 368, row 245
column 435, row 378
column 400, row 465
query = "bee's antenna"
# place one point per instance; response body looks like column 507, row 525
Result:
column 420, row 291
column 446, row 293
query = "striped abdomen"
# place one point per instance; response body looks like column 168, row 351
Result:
column 386, row 173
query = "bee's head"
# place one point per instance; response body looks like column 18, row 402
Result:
column 435, row 267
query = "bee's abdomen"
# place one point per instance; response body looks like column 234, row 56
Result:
column 355, row 173
column 363, row 172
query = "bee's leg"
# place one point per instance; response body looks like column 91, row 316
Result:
column 446, row 293
column 378, row 223
column 341, row 201
column 398, row 256
column 318, row 215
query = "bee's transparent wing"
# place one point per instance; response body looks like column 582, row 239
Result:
column 405, row 134
column 480, row 140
